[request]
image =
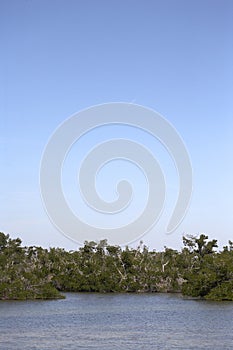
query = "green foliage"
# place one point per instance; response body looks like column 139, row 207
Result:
column 211, row 274
column 223, row 291
column 34, row 272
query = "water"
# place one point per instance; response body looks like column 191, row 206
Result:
column 116, row 321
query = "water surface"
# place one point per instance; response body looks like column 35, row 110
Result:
column 116, row 321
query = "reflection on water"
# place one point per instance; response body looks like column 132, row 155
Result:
column 116, row 321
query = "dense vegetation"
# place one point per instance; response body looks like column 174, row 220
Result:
column 197, row 271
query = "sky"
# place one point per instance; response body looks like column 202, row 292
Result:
column 60, row 57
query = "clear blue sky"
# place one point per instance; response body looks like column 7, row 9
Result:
column 174, row 56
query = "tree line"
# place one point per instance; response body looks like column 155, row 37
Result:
column 198, row 270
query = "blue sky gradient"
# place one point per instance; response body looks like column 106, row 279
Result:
column 58, row 57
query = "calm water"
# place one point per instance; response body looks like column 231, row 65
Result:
column 116, row 321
